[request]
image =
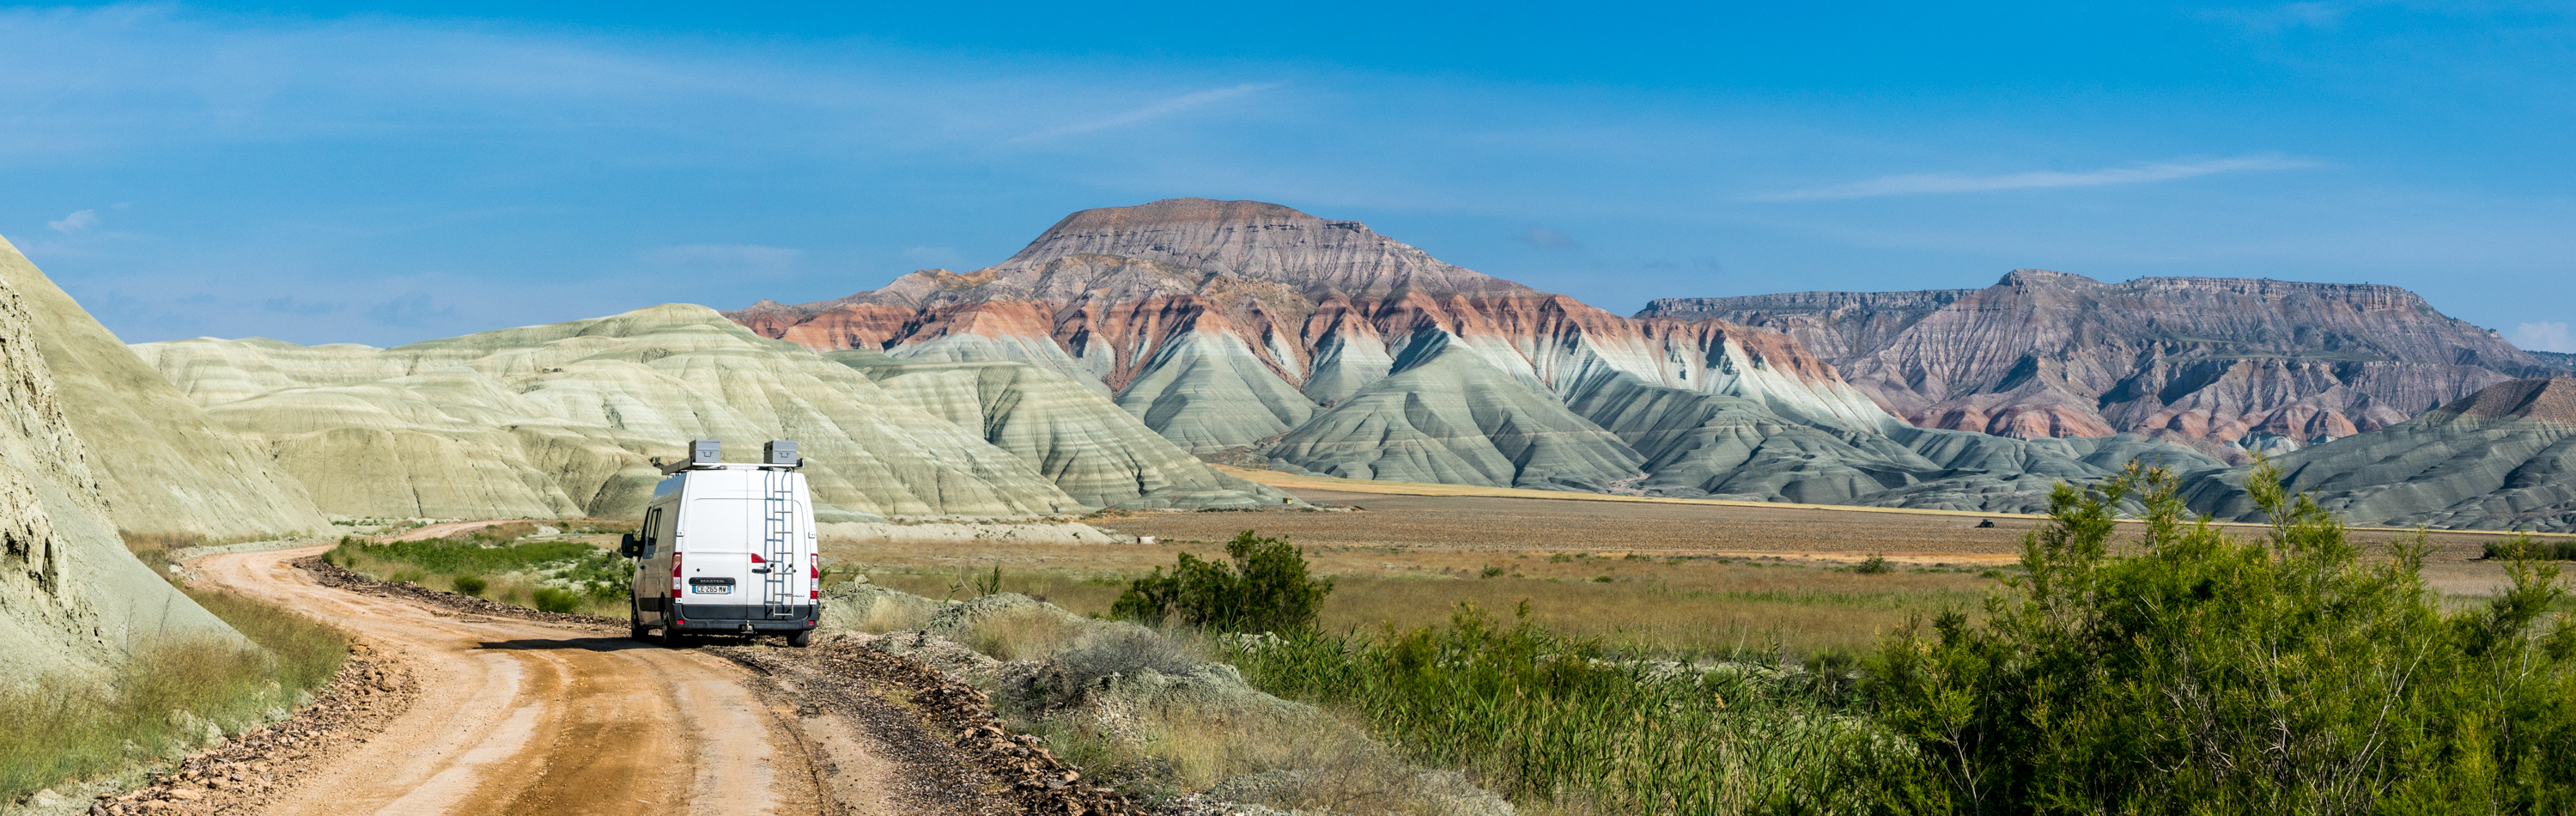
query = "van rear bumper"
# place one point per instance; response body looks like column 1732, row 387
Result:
column 731, row 617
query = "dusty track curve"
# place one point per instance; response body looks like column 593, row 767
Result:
column 523, row 717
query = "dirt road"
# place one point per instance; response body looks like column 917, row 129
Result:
column 522, row 717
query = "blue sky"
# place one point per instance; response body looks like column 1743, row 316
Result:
column 318, row 173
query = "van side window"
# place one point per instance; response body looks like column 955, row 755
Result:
column 652, row 526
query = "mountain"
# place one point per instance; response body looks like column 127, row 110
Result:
column 2503, row 458
column 2220, row 364
column 561, row 420
column 1251, row 331
column 162, row 464
column 73, row 602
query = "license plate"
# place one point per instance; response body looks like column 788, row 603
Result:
column 712, row 590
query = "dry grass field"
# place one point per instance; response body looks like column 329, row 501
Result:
column 1674, row 575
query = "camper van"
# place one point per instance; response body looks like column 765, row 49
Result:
column 728, row 549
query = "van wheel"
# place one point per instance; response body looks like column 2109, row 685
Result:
column 671, row 637
column 635, row 629
column 801, row 638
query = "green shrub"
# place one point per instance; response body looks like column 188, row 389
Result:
column 471, row 585
column 2198, row 673
column 1875, row 564
column 2524, row 547
column 550, row 599
column 1265, row 590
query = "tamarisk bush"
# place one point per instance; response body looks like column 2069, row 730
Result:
column 1266, row 589
column 2195, row 672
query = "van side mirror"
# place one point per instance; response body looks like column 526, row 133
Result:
column 628, row 546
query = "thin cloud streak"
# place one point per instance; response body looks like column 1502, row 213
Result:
column 1151, row 112
column 1933, row 183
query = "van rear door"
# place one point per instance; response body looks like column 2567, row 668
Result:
column 719, row 568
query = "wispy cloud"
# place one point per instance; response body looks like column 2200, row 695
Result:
column 2543, row 336
column 945, row 257
column 76, row 222
column 411, row 310
column 2275, row 18
column 1929, row 183
column 733, row 255
column 1151, row 112
column 1545, row 238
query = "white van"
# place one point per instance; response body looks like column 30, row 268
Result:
column 728, row 548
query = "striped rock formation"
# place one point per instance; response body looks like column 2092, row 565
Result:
column 2225, row 365
column 1255, row 332
column 2503, row 458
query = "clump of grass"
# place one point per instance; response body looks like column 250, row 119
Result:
column 550, row 599
column 1021, row 634
column 1875, row 564
column 470, row 585
column 162, row 700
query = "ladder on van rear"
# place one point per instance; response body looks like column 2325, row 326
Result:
column 778, row 543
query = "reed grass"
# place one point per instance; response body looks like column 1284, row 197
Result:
column 1562, row 721
column 165, row 697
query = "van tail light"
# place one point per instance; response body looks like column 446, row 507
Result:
column 814, row 571
column 814, row 594
column 675, row 575
column 756, row 559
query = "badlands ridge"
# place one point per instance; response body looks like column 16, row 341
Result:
column 1107, row 362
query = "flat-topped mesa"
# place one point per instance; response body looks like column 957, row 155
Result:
column 2227, row 361
column 1256, row 240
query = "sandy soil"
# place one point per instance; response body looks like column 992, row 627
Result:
column 522, row 717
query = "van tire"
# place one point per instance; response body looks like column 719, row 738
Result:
column 635, row 628
column 801, row 638
column 671, row 637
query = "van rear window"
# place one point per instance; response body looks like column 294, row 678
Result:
column 731, row 523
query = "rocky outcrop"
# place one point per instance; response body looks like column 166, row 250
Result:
column 73, row 602
column 2503, row 458
column 2258, row 364
column 163, row 464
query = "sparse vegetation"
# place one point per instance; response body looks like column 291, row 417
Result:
column 1547, row 718
column 165, row 698
column 2525, row 547
column 553, row 576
